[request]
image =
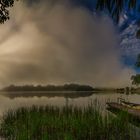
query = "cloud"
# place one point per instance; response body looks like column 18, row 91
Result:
column 56, row 43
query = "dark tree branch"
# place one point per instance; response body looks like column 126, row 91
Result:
column 4, row 9
column 115, row 7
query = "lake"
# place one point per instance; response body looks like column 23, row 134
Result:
column 14, row 100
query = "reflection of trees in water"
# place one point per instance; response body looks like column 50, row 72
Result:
column 48, row 94
column 67, row 101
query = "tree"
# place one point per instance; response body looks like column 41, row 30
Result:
column 115, row 7
column 138, row 61
column 136, row 78
column 4, row 9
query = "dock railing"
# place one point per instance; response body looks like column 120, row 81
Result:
column 120, row 100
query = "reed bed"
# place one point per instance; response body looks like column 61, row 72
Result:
column 66, row 123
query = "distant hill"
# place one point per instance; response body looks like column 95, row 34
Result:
column 66, row 87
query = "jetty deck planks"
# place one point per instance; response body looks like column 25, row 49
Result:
column 131, row 111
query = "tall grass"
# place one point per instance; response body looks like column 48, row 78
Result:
column 66, row 123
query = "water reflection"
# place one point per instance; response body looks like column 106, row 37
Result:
column 65, row 94
column 80, row 99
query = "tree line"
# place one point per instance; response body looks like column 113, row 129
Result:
column 66, row 87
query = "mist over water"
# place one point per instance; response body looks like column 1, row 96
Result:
column 56, row 43
column 16, row 100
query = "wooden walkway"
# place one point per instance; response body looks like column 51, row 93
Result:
column 119, row 107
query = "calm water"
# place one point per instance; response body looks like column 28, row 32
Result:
column 27, row 99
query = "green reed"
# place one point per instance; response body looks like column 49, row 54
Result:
column 66, row 123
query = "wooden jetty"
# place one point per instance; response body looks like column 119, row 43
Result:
column 132, row 112
column 128, row 104
column 120, row 107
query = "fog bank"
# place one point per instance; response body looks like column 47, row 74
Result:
column 56, row 43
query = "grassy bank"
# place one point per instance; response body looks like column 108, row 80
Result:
column 67, row 123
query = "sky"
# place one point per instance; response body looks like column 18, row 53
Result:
column 64, row 41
